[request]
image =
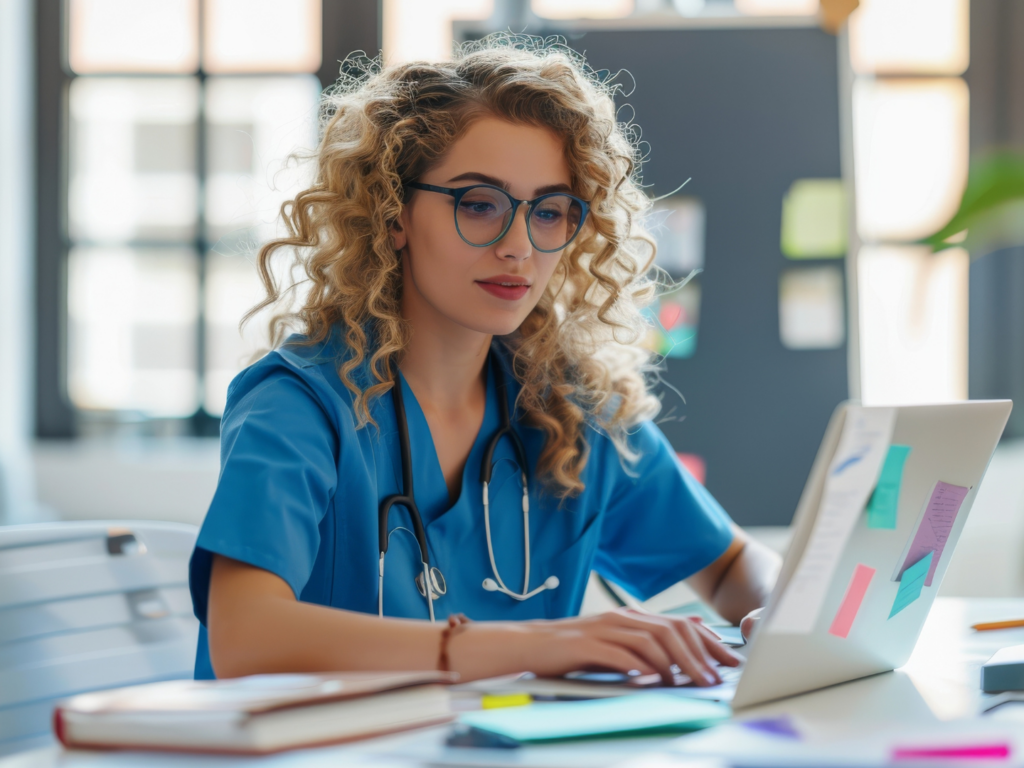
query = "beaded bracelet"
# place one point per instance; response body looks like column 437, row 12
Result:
column 456, row 623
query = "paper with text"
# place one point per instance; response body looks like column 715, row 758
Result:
column 912, row 583
column 886, row 498
column 851, row 476
column 934, row 527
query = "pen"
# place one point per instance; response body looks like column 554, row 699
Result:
column 998, row 625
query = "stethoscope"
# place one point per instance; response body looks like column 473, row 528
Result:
column 431, row 576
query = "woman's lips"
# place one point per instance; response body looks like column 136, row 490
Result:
column 506, row 291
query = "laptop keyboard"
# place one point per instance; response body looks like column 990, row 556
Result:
column 730, row 674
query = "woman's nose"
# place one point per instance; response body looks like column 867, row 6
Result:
column 516, row 242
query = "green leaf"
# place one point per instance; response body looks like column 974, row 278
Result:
column 991, row 209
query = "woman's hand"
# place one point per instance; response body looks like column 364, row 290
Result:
column 749, row 623
column 623, row 640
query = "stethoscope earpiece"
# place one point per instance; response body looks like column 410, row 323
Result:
column 490, row 585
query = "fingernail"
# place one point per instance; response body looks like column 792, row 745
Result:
column 710, row 678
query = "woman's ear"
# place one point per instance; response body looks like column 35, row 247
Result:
column 398, row 234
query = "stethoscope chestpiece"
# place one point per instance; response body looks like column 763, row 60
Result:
column 438, row 585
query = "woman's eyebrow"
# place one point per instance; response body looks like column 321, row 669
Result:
column 552, row 188
column 483, row 178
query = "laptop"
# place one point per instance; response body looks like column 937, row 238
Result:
column 887, row 498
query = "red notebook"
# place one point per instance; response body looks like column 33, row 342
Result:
column 254, row 715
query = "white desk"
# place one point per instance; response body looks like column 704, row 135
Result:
column 935, row 699
column 935, row 696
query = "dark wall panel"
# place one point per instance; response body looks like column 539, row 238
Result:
column 745, row 113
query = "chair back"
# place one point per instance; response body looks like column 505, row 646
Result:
column 86, row 606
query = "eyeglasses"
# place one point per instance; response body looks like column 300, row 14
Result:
column 484, row 214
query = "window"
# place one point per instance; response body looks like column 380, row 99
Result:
column 910, row 120
column 183, row 120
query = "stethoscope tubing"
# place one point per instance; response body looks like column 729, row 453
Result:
column 407, row 499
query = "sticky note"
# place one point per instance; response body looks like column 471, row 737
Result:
column 995, row 751
column 814, row 219
column 886, row 498
column 674, row 322
column 855, row 592
column 776, row 726
column 695, row 465
column 812, row 307
column 641, row 713
column 911, row 584
column 934, row 528
column 499, row 701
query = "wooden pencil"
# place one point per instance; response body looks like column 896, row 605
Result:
column 986, row 625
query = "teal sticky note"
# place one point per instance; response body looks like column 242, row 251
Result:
column 653, row 712
column 911, row 584
column 886, row 498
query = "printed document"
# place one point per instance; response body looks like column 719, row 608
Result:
column 851, row 477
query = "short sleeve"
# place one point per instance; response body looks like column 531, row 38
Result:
column 660, row 525
column 278, row 477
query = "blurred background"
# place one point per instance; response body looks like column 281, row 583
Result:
column 146, row 147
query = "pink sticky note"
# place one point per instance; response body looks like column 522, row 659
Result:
column 695, row 464
column 847, row 612
column 968, row 752
column 933, row 532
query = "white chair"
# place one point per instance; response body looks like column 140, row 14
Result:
column 86, row 606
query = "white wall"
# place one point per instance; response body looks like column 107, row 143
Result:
column 151, row 479
column 989, row 558
column 16, row 258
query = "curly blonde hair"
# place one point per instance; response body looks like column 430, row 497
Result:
column 577, row 355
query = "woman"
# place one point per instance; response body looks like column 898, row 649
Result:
column 472, row 249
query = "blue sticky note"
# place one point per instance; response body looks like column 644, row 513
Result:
column 911, row 584
column 649, row 712
column 886, row 498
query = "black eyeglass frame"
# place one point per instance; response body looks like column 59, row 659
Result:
column 459, row 192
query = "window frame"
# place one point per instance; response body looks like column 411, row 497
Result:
column 347, row 26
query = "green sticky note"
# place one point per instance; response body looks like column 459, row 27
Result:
column 814, row 219
column 886, row 498
column 911, row 584
column 652, row 712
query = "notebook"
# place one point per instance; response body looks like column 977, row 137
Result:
column 254, row 715
column 643, row 713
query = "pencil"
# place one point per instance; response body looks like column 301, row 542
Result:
column 998, row 625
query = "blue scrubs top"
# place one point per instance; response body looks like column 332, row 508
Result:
column 300, row 487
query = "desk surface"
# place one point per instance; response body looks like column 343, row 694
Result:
column 935, row 696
